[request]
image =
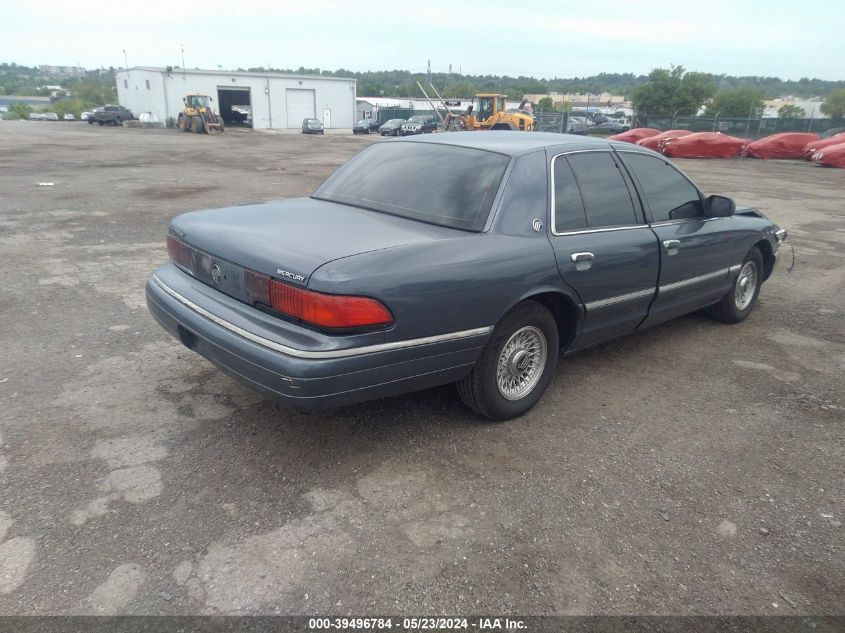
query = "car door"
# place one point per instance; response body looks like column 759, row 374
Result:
column 604, row 249
column 697, row 252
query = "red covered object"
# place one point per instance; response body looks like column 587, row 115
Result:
column 831, row 156
column 815, row 146
column 657, row 141
column 632, row 136
column 783, row 145
column 705, row 145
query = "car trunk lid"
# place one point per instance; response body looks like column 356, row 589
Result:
column 290, row 239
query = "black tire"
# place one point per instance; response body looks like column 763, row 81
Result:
column 735, row 306
column 101, row 122
column 480, row 390
column 183, row 124
column 90, row 121
column 117, row 122
column 196, row 125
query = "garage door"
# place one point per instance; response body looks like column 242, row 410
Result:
column 300, row 105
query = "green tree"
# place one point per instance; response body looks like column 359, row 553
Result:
column 671, row 90
column 545, row 103
column 68, row 106
column 18, row 110
column 738, row 102
column 834, row 104
column 791, row 112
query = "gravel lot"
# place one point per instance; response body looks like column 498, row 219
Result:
column 694, row 468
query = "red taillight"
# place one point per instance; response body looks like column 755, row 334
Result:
column 330, row 311
column 180, row 252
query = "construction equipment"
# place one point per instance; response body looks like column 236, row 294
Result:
column 198, row 117
column 488, row 112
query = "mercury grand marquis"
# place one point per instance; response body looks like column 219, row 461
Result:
column 470, row 257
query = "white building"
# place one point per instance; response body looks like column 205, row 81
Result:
column 275, row 100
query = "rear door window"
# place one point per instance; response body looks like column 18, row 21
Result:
column 670, row 195
column 607, row 199
column 568, row 205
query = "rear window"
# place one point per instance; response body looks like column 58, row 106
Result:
column 441, row 184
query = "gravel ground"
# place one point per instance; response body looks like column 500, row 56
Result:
column 695, row 468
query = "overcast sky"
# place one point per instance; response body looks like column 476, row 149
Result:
column 785, row 38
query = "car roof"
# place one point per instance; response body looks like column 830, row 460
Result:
column 509, row 142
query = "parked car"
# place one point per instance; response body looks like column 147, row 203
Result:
column 312, row 126
column 92, row 116
column 391, row 128
column 37, row 116
column 84, row 116
column 51, row 116
column 69, row 116
column 112, row 114
column 577, row 125
column 518, row 253
column 418, row 125
column 365, row 126
column 609, row 127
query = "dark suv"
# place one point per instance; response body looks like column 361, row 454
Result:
column 418, row 125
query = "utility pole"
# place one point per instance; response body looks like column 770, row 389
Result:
column 428, row 72
column 182, row 46
column 125, row 60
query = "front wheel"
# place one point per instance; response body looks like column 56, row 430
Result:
column 516, row 365
column 738, row 302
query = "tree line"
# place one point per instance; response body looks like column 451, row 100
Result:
column 672, row 90
column 676, row 91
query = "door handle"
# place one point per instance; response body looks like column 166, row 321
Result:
column 582, row 261
column 671, row 246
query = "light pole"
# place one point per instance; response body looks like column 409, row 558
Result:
column 125, row 60
column 182, row 46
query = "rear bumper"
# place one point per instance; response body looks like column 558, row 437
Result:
column 305, row 378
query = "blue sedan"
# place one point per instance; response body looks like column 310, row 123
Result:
column 472, row 257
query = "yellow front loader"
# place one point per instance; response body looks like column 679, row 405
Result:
column 198, row 117
column 487, row 112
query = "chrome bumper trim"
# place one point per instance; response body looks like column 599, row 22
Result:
column 329, row 354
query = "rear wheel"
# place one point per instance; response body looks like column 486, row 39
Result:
column 196, row 125
column 740, row 300
column 516, row 365
column 183, row 123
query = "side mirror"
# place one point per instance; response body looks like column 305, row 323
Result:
column 719, row 207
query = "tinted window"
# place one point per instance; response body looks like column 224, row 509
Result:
column 569, row 207
column 606, row 196
column 670, row 196
column 441, row 184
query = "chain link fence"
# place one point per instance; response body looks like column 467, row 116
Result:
column 745, row 127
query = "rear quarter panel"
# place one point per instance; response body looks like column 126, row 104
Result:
column 449, row 285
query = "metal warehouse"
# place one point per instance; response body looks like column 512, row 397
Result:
column 273, row 100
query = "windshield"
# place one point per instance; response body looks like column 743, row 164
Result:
column 197, row 101
column 441, row 184
column 415, row 119
column 395, row 122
